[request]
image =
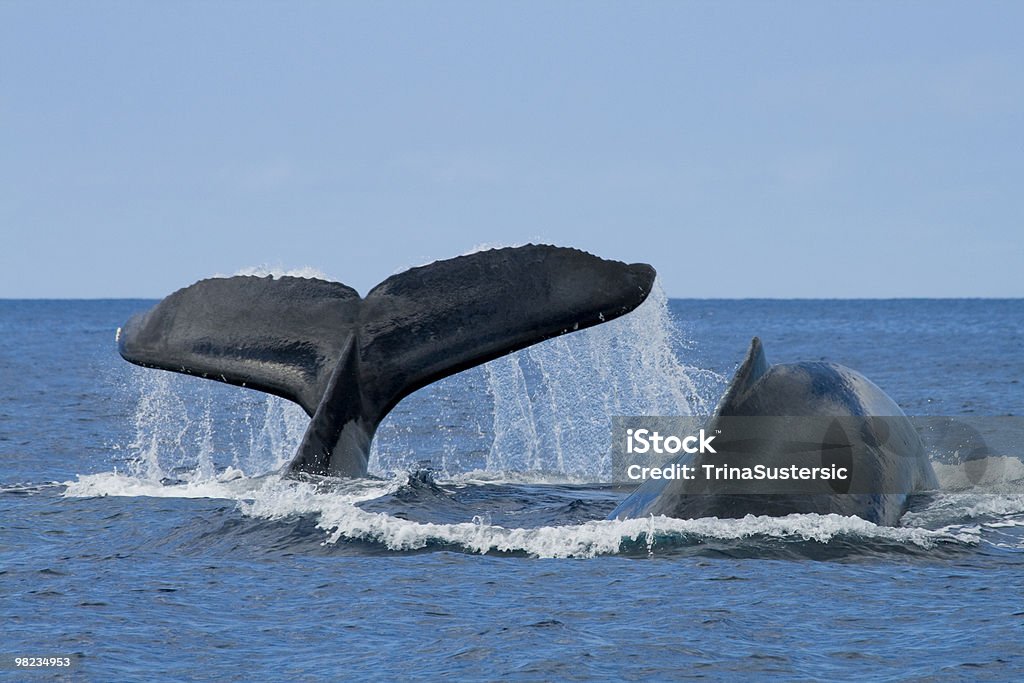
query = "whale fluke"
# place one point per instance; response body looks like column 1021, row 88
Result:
column 349, row 360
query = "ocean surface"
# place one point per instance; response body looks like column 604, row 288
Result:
column 146, row 534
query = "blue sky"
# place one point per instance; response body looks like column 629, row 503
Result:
column 743, row 149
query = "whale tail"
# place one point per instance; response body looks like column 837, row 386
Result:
column 348, row 360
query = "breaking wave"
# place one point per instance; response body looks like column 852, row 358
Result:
column 337, row 508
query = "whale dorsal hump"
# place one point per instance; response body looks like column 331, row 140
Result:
column 752, row 369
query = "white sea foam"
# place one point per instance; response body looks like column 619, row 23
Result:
column 341, row 519
column 229, row 485
column 949, row 507
column 608, row 537
column 995, row 473
column 990, row 489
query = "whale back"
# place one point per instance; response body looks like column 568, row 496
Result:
column 809, row 415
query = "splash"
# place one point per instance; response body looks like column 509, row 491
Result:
column 547, row 409
column 192, row 430
column 277, row 272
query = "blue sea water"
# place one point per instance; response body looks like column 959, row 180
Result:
column 145, row 533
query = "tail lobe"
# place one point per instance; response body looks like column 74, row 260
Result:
column 348, row 361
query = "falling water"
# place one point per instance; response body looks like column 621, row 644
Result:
column 545, row 410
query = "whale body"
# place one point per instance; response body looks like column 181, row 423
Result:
column 801, row 416
column 348, row 360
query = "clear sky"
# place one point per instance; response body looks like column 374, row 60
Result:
column 776, row 149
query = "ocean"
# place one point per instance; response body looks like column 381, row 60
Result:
column 146, row 533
